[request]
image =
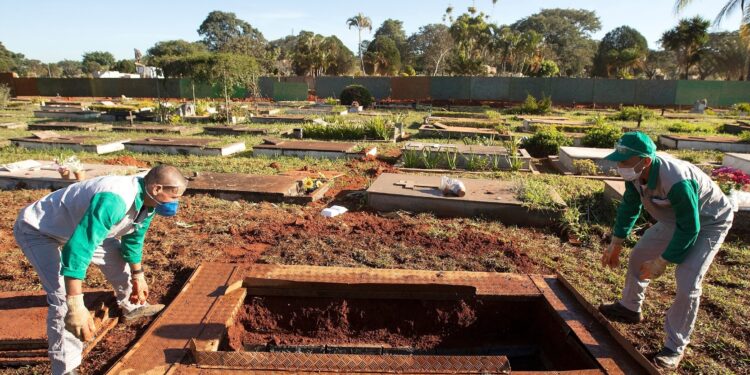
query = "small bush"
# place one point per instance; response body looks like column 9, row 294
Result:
column 376, row 128
column 742, row 107
column 379, row 128
column 745, row 137
column 604, row 136
column 533, row 106
column 4, row 96
column 632, row 114
column 685, row 127
column 586, row 167
column 546, row 142
column 356, row 93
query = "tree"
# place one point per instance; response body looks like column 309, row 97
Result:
column 430, row 46
column 724, row 57
column 567, row 34
column 97, row 61
column 394, row 29
column 125, row 66
column 547, row 68
column 472, row 36
column 661, row 65
column 383, row 57
column 620, row 52
column 361, row 22
column 9, row 60
column 172, row 48
column 224, row 32
column 70, row 68
column 687, row 40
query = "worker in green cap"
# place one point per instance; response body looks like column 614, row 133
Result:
column 693, row 217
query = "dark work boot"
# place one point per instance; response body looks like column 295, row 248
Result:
column 617, row 312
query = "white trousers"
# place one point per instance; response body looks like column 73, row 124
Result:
column 43, row 253
column 689, row 274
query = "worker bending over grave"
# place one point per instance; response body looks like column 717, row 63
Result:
column 693, row 217
column 101, row 221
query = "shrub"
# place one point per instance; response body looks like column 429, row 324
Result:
column 379, row 128
column 4, row 96
column 586, row 167
column 534, row 106
column 745, row 137
column 604, row 136
column 356, row 93
column 633, row 114
column 742, row 107
column 684, row 127
column 546, row 142
column 376, row 128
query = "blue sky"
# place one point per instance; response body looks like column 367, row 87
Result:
column 50, row 31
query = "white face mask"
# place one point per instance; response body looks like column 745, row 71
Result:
column 629, row 174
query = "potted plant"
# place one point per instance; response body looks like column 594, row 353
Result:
column 735, row 184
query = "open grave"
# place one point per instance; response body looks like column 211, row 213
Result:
column 736, row 129
column 494, row 199
column 234, row 130
column 64, row 125
column 41, row 174
column 719, row 143
column 256, row 318
column 286, row 187
column 13, row 125
column 438, row 130
column 314, row 149
column 561, row 123
column 736, row 160
column 185, row 146
column 50, row 139
column 23, row 324
column 159, row 129
column 568, row 159
column 291, row 119
column 429, row 156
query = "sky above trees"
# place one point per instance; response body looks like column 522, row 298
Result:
column 49, row 31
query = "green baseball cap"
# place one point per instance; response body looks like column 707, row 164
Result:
column 632, row 144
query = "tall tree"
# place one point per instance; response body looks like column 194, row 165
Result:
column 125, row 66
column 472, row 35
column 383, row 57
column 661, row 64
column 394, row 29
column 173, row 48
column 724, row 57
column 687, row 40
column 430, row 46
column 224, row 32
column 361, row 22
column 567, row 34
column 97, row 61
column 620, row 52
column 70, row 68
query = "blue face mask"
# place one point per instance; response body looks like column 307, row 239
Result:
column 165, row 208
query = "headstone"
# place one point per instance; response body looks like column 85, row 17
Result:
column 700, row 106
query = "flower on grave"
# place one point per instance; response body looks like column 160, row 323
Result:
column 308, row 183
column 729, row 179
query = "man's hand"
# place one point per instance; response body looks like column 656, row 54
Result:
column 140, row 289
column 611, row 255
column 78, row 320
column 653, row 268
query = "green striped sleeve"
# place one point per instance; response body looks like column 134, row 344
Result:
column 684, row 199
column 132, row 244
column 627, row 212
column 105, row 210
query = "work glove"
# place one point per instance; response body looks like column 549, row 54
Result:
column 611, row 255
column 653, row 268
column 140, row 289
column 78, row 321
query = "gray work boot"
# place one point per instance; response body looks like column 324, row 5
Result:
column 142, row 312
column 668, row 359
column 617, row 312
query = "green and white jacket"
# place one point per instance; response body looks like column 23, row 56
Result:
column 84, row 214
column 677, row 193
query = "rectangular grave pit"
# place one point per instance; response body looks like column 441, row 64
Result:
column 493, row 155
column 314, row 149
column 331, row 319
column 44, row 175
column 234, row 130
column 61, row 114
column 64, row 125
column 254, row 188
column 183, row 146
column 468, row 122
column 495, row 199
column 736, row 129
column 719, row 143
column 72, row 142
column 158, row 129
column 438, row 130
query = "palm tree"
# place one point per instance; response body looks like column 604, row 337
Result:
column 730, row 7
column 361, row 22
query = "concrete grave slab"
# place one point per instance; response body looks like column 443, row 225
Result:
column 315, row 149
column 736, row 160
column 291, row 119
column 13, row 125
column 183, row 146
column 159, row 129
column 254, row 188
column 494, row 155
column 719, row 143
column 63, row 114
column 41, row 174
column 551, row 320
column 484, row 198
column 64, row 125
column 438, row 130
column 234, row 130
column 567, row 155
column 72, row 142
column 23, row 324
